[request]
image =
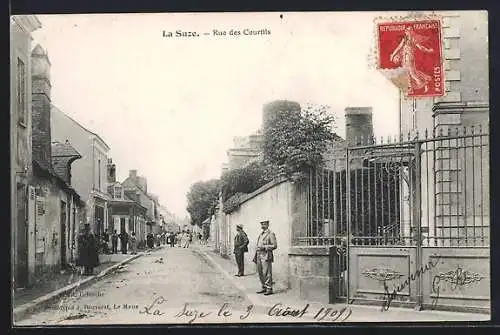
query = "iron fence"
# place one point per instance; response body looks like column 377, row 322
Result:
column 428, row 190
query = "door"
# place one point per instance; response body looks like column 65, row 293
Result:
column 63, row 235
column 31, row 230
column 22, row 238
column 73, row 234
column 99, row 220
column 122, row 225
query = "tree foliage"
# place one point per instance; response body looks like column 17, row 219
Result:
column 295, row 140
column 240, row 181
column 202, row 198
column 245, row 179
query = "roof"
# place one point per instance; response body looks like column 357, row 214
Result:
column 131, row 184
column 64, row 150
column 126, row 201
column 79, row 124
column 50, row 172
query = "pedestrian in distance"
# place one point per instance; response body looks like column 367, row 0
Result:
column 124, row 241
column 105, row 238
column 133, row 243
column 88, row 254
column 114, row 242
column 185, row 240
column 150, row 240
column 264, row 258
column 240, row 247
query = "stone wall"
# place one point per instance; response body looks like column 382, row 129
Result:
column 273, row 202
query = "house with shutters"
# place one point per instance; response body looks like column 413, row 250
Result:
column 53, row 207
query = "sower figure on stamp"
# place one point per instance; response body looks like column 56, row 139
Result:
column 240, row 247
column 264, row 258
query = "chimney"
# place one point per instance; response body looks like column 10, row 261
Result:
column 143, row 184
column 40, row 125
column 111, row 171
column 132, row 174
column 358, row 125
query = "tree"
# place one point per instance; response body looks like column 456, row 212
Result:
column 295, row 140
column 202, row 197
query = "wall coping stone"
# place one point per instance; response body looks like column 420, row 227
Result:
column 309, row 251
column 271, row 184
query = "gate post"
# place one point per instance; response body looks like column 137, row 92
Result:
column 417, row 217
column 334, row 274
column 348, row 222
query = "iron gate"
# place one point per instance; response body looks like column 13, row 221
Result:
column 415, row 231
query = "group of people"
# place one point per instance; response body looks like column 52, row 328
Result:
column 90, row 245
column 182, row 239
column 263, row 257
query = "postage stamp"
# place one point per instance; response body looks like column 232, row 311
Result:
column 410, row 52
column 289, row 210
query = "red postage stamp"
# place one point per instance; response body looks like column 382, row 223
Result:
column 413, row 50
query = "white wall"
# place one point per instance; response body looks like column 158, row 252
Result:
column 274, row 204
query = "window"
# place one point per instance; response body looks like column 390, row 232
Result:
column 99, row 175
column 21, row 91
column 118, row 192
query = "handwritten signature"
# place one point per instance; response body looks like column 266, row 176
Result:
column 279, row 310
column 390, row 296
column 149, row 308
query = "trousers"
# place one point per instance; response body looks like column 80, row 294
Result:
column 240, row 261
column 265, row 270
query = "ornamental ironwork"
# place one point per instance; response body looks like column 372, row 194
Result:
column 382, row 274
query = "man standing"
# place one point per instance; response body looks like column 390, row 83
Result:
column 240, row 247
column 264, row 257
column 124, row 241
column 114, row 242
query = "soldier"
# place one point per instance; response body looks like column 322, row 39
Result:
column 266, row 244
column 240, row 247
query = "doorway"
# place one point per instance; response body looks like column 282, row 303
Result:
column 22, row 238
column 63, row 234
column 122, row 225
column 99, row 220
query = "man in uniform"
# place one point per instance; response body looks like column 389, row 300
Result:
column 264, row 257
column 240, row 247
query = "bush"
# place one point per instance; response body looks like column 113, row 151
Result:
column 245, row 179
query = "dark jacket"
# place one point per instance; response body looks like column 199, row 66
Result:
column 241, row 242
column 88, row 255
column 124, row 237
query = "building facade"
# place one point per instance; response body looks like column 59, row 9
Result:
column 126, row 215
column 21, row 28
column 136, row 188
column 90, row 172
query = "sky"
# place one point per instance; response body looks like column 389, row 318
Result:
column 169, row 107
